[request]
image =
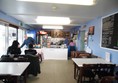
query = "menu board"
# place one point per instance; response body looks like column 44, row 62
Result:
column 110, row 32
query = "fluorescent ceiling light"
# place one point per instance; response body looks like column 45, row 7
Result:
column 73, row 2
column 52, row 27
column 53, row 20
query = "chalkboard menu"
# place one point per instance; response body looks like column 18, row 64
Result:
column 110, row 32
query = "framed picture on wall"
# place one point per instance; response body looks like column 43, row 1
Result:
column 91, row 30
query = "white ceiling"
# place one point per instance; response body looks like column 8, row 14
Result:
column 28, row 11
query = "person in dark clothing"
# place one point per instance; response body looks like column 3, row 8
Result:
column 27, row 41
column 31, row 50
column 14, row 48
column 34, row 67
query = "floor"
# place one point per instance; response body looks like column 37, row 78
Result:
column 54, row 71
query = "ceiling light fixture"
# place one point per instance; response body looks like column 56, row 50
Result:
column 52, row 27
column 72, row 2
column 53, row 20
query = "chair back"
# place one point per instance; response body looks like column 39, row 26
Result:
column 32, row 52
column 80, row 54
column 87, row 71
column 84, row 55
column 90, row 67
column 106, row 70
column 101, row 70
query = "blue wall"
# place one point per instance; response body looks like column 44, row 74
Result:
column 94, row 41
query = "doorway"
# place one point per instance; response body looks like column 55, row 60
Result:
column 81, row 41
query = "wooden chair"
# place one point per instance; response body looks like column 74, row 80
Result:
column 87, row 71
column 73, row 53
column 84, row 55
column 105, row 70
column 80, row 54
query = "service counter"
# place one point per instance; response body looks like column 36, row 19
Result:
column 55, row 53
column 52, row 53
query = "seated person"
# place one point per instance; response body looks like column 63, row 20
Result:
column 30, row 50
column 14, row 48
column 34, row 67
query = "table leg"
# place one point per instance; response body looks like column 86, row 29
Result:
column 25, row 75
column 79, row 78
column 75, row 71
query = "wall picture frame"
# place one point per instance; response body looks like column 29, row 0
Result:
column 91, row 30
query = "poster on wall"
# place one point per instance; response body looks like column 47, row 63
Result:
column 91, row 30
column 109, row 37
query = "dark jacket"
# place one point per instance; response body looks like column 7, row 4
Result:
column 31, row 51
column 12, row 50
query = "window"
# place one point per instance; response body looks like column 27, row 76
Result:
column 21, row 34
column 2, row 40
column 12, row 35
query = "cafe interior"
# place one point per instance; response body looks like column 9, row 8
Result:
column 76, row 41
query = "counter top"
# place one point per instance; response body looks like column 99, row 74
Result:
column 50, row 48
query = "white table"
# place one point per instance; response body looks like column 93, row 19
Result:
column 78, row 63
column 13, row 68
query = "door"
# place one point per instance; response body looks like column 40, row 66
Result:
column 81, row 41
